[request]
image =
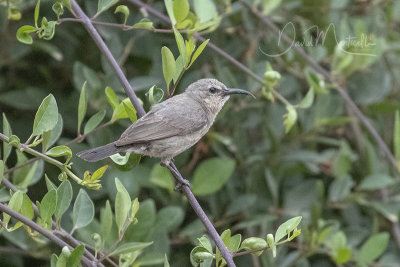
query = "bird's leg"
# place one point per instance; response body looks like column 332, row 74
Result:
column 181, row 181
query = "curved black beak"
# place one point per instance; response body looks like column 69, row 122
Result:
column 231, row 91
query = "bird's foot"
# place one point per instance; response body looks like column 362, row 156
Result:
column 181, row 182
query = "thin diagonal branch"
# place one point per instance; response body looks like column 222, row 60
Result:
column 75, row 242
column 135, row 101
column 46, row 233
column 107, row 53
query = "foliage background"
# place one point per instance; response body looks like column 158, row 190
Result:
column 327, row 169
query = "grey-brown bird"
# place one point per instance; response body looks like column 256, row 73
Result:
column 170, row 127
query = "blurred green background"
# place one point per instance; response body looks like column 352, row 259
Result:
column 327, row 168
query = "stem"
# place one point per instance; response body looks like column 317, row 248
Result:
column 171, row 92
column 226, row 254
column 44, row 157
column 116, row 25
column 41, row 230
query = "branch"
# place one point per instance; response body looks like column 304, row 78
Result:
column 135, row 101
column 46, row 158
column 41, row 230
column 78, row 12
column 115, row 25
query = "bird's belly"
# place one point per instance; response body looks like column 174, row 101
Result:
column 172, row 146
column 167, row 148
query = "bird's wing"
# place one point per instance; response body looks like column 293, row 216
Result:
column 165, row 120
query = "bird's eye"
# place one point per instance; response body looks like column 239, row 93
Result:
column 212, row 90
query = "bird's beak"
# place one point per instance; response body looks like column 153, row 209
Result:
column 231, row 91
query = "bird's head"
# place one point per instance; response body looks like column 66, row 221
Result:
column 212, row 94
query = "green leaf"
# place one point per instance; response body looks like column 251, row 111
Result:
column 285, row 228
column 94, row 121
column 36, row 15
column 198, row 51
column 143, row 24
column 103, row 5
column 373, row 248
column 122, row 205
column 307, row 100
column 23, row 176
column 112, row 97
column 83, row 211
column 48, row 205
column 130, row 110
column 124, row 10
column 205, row 243
column 75, row 257
column 48, row 29
column 23, row 34
column 271, row 244
column 120, row 111
column 253, row 243
column 58, row 8
column 168, row 64
column 396, row 137
column 205, row 10
column 376, row 181
column 170, row 11
column 290, row 117
column 14, row 141
column 155, row 95
column 106, row 220
column 211, row 175
column 7, row 132
column 26, row 210
column 130, row 247
column 134, row 209
column 162, row 177
column 181, row 43
column 99, row 173
column 15, row 204
column 199, row 255
column 342, row 255
column 82, row 106
column 49, row 184
column 181, row 9
column 51, row 137
column 166, row 263
column 60, row 151
column 46, row 117
column 64, row 198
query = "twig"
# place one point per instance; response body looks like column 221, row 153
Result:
column 135, row 101
column 46, row 158
column 116, row 25
column 226, row 254
column 41, row 230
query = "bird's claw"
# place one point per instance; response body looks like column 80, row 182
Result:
column 181, row 183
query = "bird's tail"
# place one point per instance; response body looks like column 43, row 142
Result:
column 98, row 153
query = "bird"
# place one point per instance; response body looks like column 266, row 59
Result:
column 172, row 126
